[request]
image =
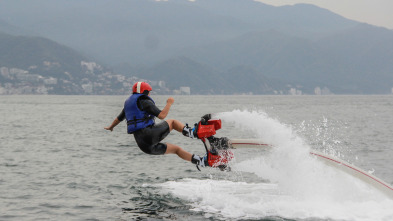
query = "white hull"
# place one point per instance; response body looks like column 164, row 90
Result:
column 329, row 160
column 247, row 143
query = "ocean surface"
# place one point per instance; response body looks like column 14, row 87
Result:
column 58, row 163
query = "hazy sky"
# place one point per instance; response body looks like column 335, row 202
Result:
column 375, row 12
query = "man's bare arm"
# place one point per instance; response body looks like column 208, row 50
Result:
column 113, row 125
column 166, row 109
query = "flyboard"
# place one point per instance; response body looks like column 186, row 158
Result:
column 219, row 153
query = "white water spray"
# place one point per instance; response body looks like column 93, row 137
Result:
column 298, row 187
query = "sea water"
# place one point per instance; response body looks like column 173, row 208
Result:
column 58, row 163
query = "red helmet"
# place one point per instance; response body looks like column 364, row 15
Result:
column 140, row 87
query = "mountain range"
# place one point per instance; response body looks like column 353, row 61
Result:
column 37, row 53
column 214, row 46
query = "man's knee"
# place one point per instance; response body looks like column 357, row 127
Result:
column 171, row 148
column 170, row 123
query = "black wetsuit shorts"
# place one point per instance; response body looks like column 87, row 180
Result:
column 148, row 139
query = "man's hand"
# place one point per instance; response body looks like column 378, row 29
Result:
column 170, row 101
column 113, row 125
column 108, row 128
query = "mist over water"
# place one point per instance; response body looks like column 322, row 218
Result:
column 58, row 162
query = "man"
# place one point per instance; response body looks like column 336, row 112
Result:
column 140, row 111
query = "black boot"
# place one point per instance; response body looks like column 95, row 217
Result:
column 189, row 132
column 199, row 161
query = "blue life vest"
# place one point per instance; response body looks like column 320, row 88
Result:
column 136, row 119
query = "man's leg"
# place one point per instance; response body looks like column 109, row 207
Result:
column 179, row 126
column 175, row 124
column 174, row 149
column 195, row 159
